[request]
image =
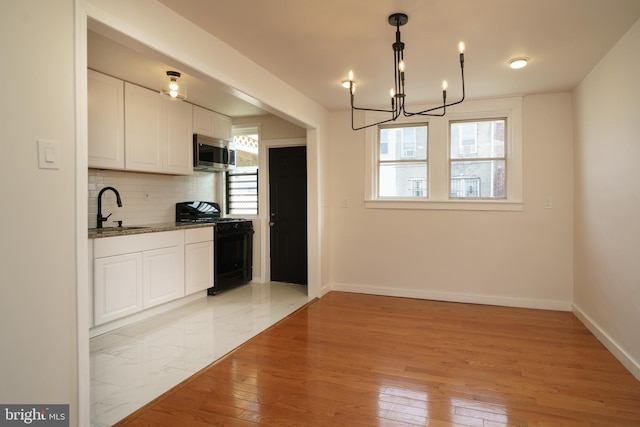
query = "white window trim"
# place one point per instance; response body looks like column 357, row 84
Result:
column 438, row 158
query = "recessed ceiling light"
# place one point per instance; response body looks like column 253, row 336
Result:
column 517, row 63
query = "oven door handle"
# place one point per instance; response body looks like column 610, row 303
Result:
column 235, row 233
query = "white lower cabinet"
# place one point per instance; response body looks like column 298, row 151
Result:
column 132, row 273
column 198, row 256
column 117, row 287
column 162, row 270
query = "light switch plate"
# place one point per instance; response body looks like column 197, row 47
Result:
column 48, row 154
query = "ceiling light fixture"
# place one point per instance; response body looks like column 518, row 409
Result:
column 517, row 63
column 397, row 94
column 173, row 90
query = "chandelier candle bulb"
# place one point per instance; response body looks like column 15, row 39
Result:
column 352, row 83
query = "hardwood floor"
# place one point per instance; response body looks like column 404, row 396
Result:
column 363, row 360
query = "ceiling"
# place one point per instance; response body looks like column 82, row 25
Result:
column 312, row 45
column 128, row 60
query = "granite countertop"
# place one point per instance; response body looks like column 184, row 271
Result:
column 96, row 233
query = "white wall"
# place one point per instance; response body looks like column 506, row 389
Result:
column 607, row 200
column 38, row 362
column 510, row 258
column 273, row 127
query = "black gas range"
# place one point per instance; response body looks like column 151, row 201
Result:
column 232, row 243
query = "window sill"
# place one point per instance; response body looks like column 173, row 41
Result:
column 453, row 205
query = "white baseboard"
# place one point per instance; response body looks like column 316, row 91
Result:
column 325, row 289
column 618, row 352
column 454, row 297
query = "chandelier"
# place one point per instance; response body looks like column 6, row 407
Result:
column 398, row 94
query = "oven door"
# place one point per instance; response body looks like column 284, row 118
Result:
column 233, row 259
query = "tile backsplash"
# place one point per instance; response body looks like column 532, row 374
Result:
column 147, row 198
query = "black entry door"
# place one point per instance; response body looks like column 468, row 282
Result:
column 288, row 214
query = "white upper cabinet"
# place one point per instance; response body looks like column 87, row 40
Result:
column 158, row 136
column 106, row 121
column 178, row 141
column 210, row 123
column 133, row 128
column 143, row 131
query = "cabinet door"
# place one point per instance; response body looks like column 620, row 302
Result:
column 198, row 266
column 106, row 121
column 117, row 286
column 144, row 129
column 222, row 126
column 203, row 121
column 163, row 275
column 210, row 123
column 178, row 138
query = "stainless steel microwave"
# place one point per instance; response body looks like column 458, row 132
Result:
column 212, row 154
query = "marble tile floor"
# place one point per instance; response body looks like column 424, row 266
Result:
column 135, row 364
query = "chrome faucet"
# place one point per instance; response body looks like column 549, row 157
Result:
column 102, row 219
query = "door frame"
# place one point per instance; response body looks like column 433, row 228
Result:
column 263, row 201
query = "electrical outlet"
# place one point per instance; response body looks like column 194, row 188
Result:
column 548, row 202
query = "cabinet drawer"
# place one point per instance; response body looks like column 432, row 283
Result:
column 110, row 246
column 197, row 235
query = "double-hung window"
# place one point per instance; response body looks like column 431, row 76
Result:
column 402, row 161
column 472, row 161
column 477, row 159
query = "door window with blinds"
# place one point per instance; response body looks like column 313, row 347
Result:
column 241, row 184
